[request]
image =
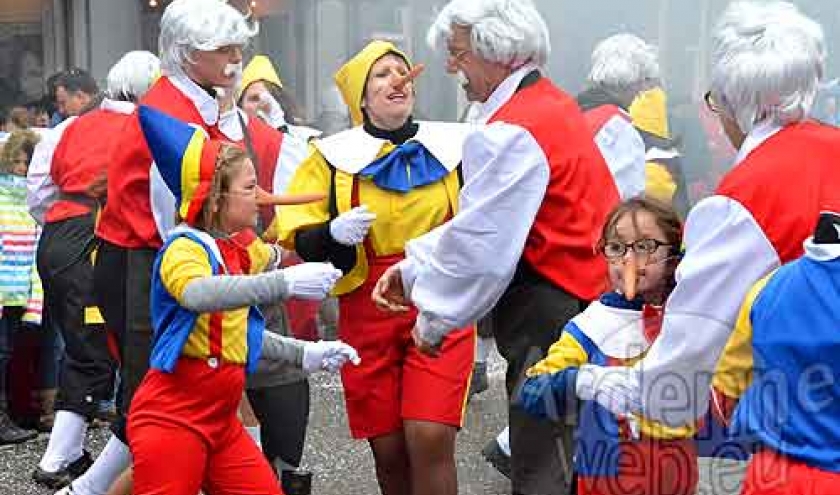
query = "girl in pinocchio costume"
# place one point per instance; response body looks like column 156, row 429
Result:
column 617, row 455
column 207, row 333
column 387, row 180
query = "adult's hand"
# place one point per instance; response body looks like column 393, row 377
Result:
column 388, row 293
column 428, row 348
column 351, row 227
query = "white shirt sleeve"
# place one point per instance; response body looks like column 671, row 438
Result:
column 293, row 152
column 623, row 149
column 457, row 272
column 41, row 191
column 726, row 253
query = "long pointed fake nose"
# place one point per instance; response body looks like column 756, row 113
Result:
column 630, row 276
column 412, row 75
column 265, row 198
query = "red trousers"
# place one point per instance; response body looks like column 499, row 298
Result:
column 185, row 436
column 771, row 473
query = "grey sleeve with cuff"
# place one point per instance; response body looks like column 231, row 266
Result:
column 226, row 292
column 282, row 349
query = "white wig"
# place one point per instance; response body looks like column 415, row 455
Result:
column 199, row 25
column 624, row 64
column 767, row 63
column 132, row 75
column 509, row 32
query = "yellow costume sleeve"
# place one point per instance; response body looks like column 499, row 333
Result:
column 261, row 254
column 313, row 176
column 735, row 367
column 659, row 182
column 183, row 262
column 565, row 353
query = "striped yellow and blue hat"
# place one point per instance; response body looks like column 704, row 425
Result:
column 185, row 158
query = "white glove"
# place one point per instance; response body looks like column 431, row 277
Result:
column 350, row 228
column 328, row 355
column 311, row 280
column 614, row 388
column 271, row 111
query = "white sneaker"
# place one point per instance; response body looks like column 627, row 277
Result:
column 67, row 490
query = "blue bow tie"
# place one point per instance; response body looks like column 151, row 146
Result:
column 407, row 166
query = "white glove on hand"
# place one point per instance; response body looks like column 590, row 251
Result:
column 328, row 355
column 350, row 228
column 311, row 280
column 271, row 111
column 614, row 388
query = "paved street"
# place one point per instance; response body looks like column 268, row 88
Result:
column 344, row 467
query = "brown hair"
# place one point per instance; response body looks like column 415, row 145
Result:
column 20, row 140
column 228, row 163
column 666, row 217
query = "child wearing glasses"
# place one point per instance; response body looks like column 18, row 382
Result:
column 641, row 242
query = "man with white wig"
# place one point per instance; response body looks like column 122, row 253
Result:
column 768, row 60
column 200, row 46
column 63, row 196
column 623, row 66
column 536, row 193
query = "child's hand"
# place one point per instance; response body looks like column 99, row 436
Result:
column 328, row 355
column 311, row 280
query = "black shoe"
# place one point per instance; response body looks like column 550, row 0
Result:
column 296, row 482
column 10, row 433
column 479, row 381
column 497, row 457
column 63, row 477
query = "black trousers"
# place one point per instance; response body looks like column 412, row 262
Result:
column 528, row 318
column 86, row 376
column 283, row 413
column 122, row 283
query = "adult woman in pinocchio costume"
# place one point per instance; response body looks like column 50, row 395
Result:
column 206, row 282
column 388, row 179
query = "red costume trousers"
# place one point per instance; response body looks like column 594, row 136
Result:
column 185, row 436
column 771, row 473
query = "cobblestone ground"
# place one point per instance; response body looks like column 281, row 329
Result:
column 345, row 467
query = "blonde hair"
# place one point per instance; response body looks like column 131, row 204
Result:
column 229, row 162
column 20, row 140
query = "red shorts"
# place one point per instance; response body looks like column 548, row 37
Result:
column 185, row 436
column 770, row 473
column 395, row 381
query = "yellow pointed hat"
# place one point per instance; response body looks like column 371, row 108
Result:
column 259, row 68
column 352, row 76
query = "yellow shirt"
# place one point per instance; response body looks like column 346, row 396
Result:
column 221, row 334
column 399, row 217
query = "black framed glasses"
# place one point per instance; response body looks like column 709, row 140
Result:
column 616, row 249
column 711, row 104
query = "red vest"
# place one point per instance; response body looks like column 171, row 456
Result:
column 786, row 182
column 266, row 142
column 127, row 219
column 81, row 156
column 580, row 193
column 600, row 115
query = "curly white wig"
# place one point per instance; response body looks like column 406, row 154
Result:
column 767, row 63
column 199, row 25
column 509, row 32
column 132, row 75
column 624, row 64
